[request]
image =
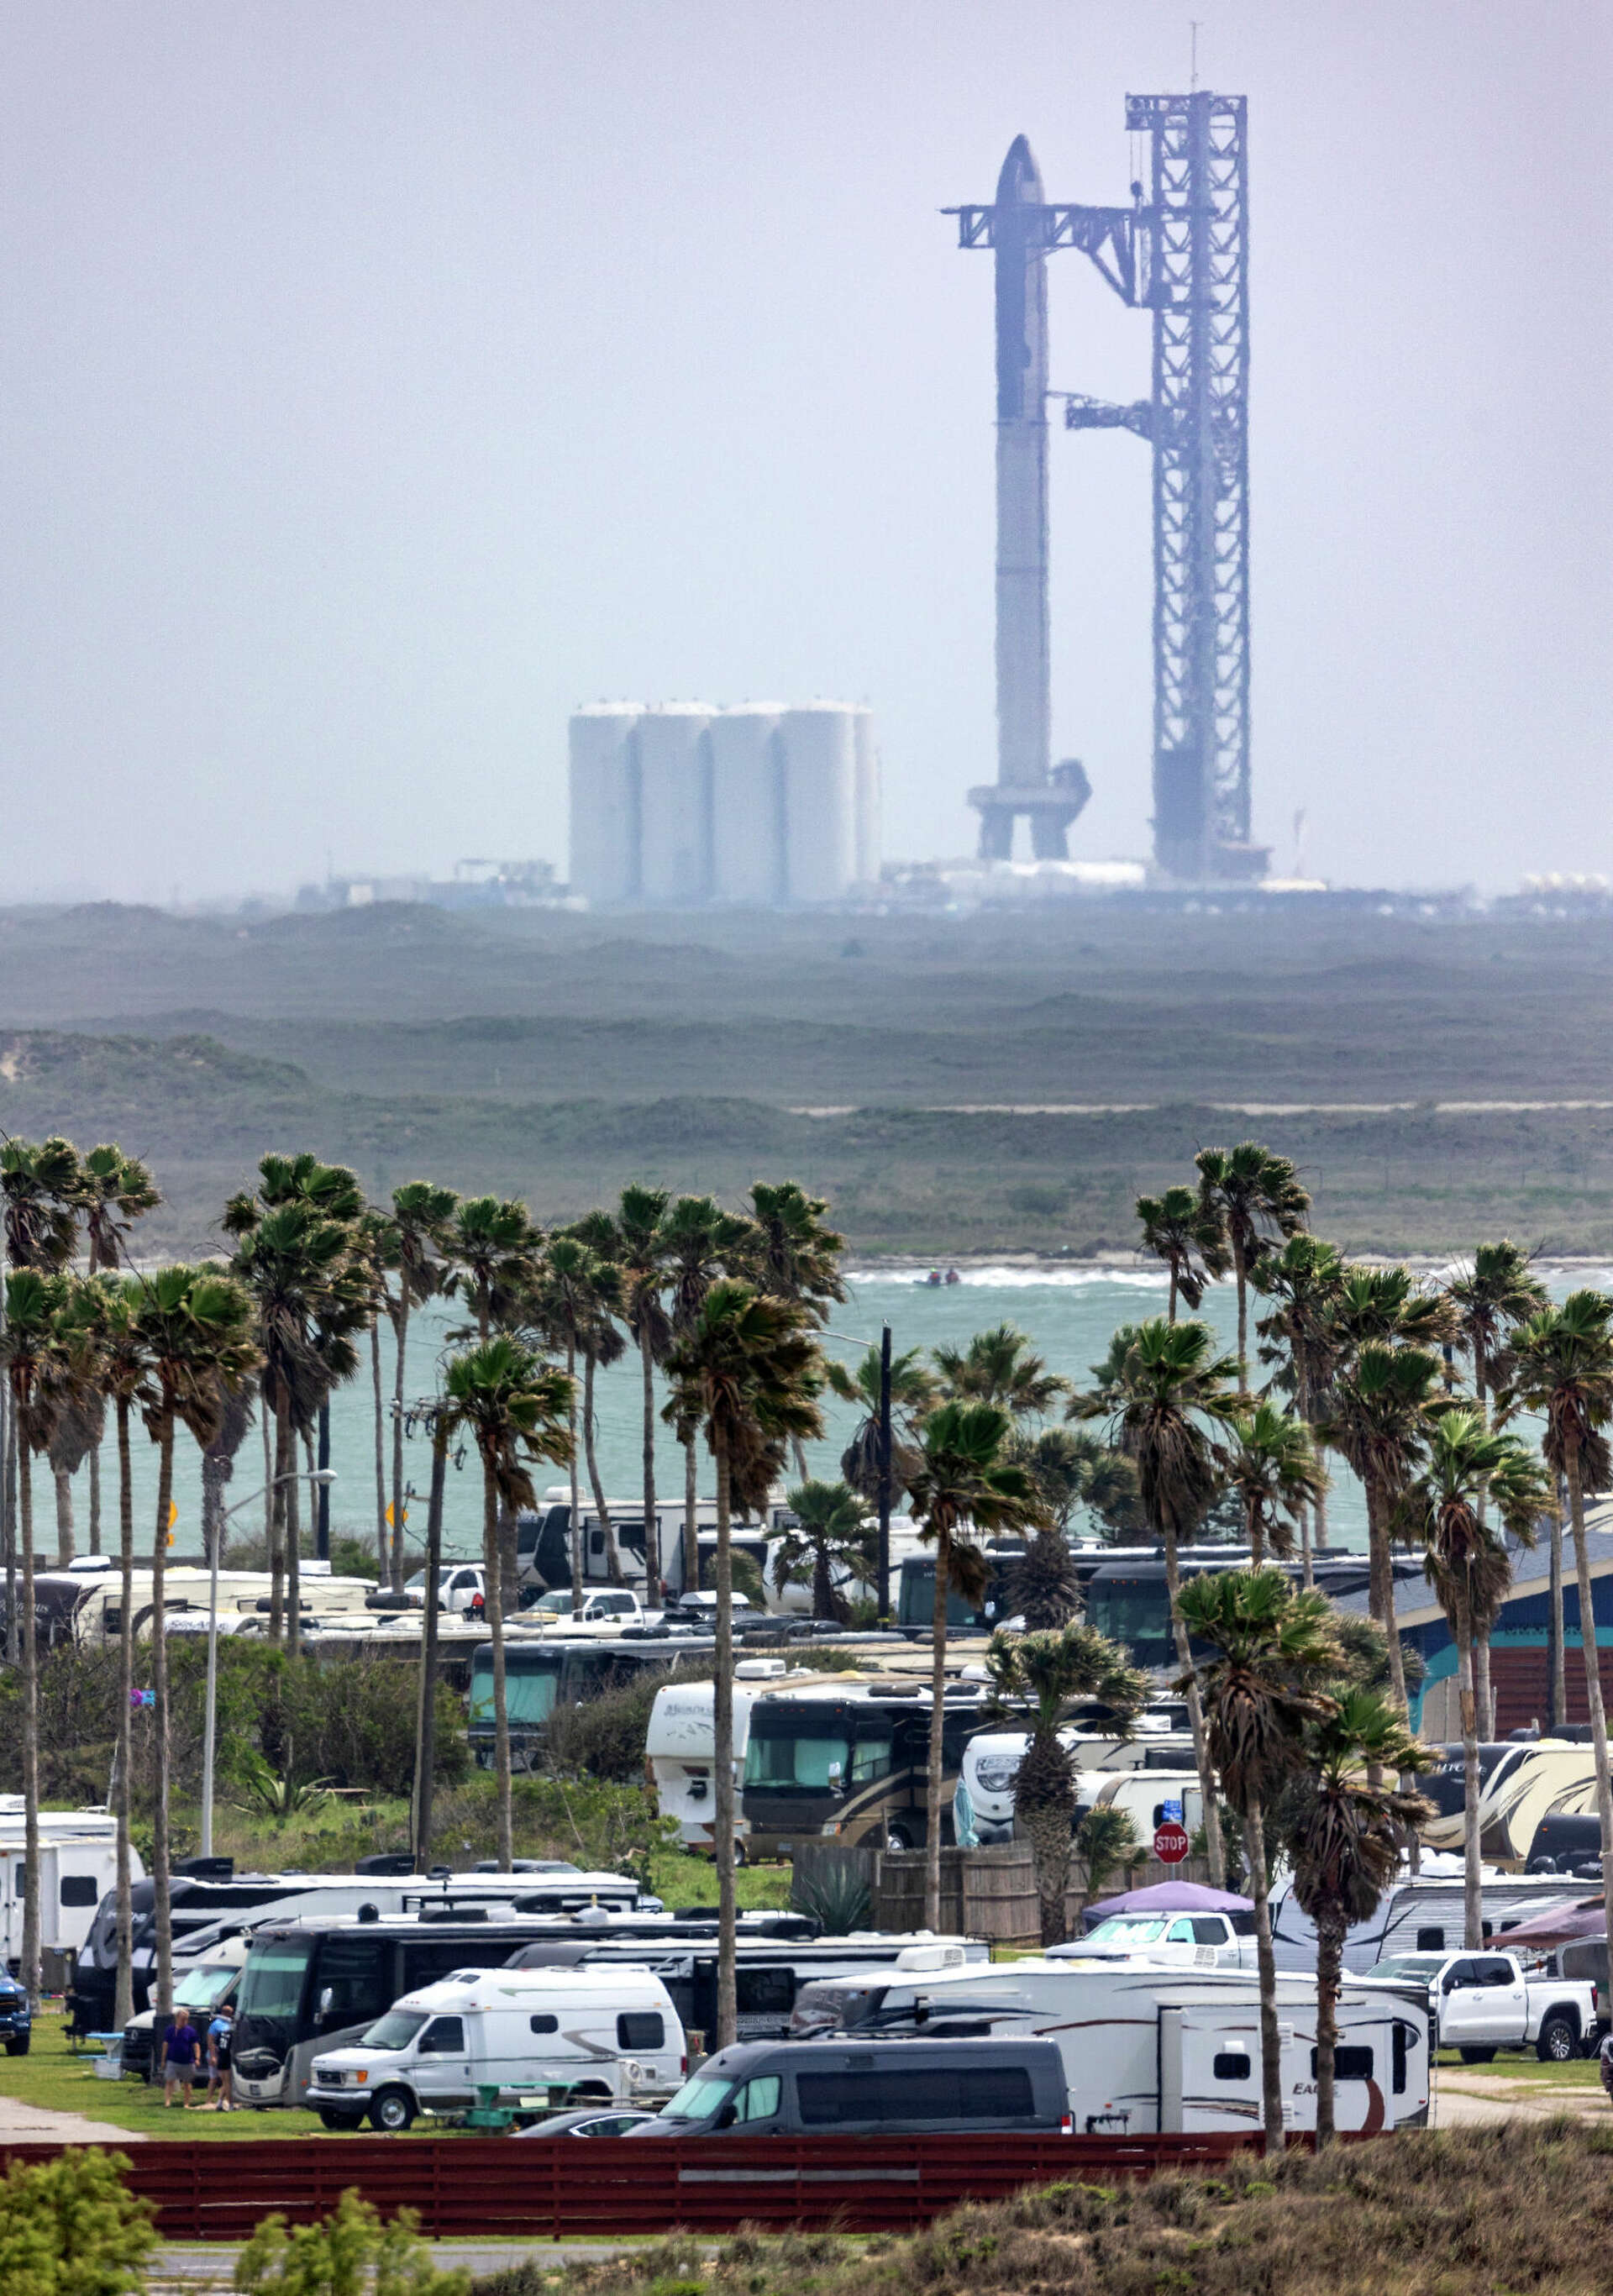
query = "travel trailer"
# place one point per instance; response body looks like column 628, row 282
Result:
column 538, row 2040
column 680, row 1748
column 1422, row 1916
column 1153, row 2050
column 1521, row 1783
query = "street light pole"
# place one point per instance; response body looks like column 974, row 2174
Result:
column 323, row 1477
column 884, row 1569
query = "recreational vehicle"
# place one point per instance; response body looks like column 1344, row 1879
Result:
column 1422, row 1916
column 550, row 1670
column 992, row 1758
column 1151, row 2050
column 850, row 1758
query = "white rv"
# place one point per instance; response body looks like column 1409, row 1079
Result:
column 680, row 1748
column 1422, row 1916
column 539, row 2038
column 991, row 1759
column 1151, row 2050
column 78, row 1865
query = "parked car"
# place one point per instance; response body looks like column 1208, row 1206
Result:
column 1482, row 2002
column 591, row 2122
column 461, row 1588
column 767, row 2088
column 544, row 2038
column 16, row 2018
column 605, row 1606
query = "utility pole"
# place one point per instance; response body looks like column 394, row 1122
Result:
column 322, row 1504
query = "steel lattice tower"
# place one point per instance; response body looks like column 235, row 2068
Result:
column 1181, row 250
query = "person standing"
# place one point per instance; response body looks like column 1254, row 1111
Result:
column 218, row 2057
column 181, row 2054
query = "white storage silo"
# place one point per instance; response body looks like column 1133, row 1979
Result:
column 675, row 780
column 820, row 802
column 748, row 806
column 605, row 778
column 868, row 809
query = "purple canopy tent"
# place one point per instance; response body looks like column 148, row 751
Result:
column 1169, row 1897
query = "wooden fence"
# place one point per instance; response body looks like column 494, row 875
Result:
column 498, row 2188
column 989, row 1893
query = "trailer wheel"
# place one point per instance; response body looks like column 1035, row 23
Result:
column 339, row 2119
column 1558, row 2039
column 392, row 2112
column 1477, row 2056
column 18, row 2049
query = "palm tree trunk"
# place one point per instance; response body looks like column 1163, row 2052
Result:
column 162, row 1906
column 293, row 1549
column 1383, row 1587
column 1271, row 2039
column 1215, row 1847
column 123, row 2001
column 1593, row 1700
column 8, row 1504
column 1171, row 1317
column 65, row 1549
column 425, row 1730
column 264, row 1415
column 577, row 1512
column 380, row 1455
column 1254, row 1523
column 1557, row 1639
column 822, row 1586
column 937, row 1720
column 692, row 1537
column 30, row 1732
column 1484, row 1689
column 1330, row 1927
column 95, row 1496
column 1472, row 1888
column 278, row 1486
column 1241, row 1275
column 652, row 1534
column 722, row 1715
column 613, row 1561
column 402, row 1333
column 501, row 1702
column 1307, row 1558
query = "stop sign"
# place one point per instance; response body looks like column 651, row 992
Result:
column 1171, row 1843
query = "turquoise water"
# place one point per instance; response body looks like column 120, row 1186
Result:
column 1069, row 1313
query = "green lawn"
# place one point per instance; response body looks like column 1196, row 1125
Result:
column 1524, row 2065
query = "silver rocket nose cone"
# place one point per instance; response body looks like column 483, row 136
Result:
column 1020, row 181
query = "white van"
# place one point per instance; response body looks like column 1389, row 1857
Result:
column 680, row 1748
column 542, row 2039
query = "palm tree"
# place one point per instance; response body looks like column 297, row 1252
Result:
column 567, row 1306
column 1162, row 1389
column 125, row 1370
column 795, row 1255
column 1564, row 1369
column 1492, row 1297
column 1442, row 1508
column 41, row 1195
column 746, row 1369
column 641, row 1253
column 1272, row 1465
column 517, row 1409
column 915, row 1389
column 1273, row 1650
column 1045, row 1671
column 1178, row 1230
column 421, row 1214
column 301, row 1253
column 378, row 1249
column 702, row 1243
column 962, row 1481
column 1001, row 1366
column 832, row 1535
column 114, row 1191
column 78, row 1420
column 492, row 1248
column 1525, row 1496
column 602, row 1343
column 1379, row 1418
column 197, row 1327
column 1301, row 1336
column 34, row 1306
column 1252, row 1196
column 1345, row 1841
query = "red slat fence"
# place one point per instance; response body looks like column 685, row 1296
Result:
column 469, row 2188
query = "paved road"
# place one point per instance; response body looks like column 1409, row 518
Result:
column 193, row 2271
column 35, row 2124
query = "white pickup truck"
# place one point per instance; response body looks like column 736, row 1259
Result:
column 1194, row 1941
column 1482, row 2002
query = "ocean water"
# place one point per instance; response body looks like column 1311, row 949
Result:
column 1069, row 1314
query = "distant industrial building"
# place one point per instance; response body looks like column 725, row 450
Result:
column 682, row 804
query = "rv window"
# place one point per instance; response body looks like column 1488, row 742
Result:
column 644, row 2028
column 1431, row 1940
column 596, row 1542
column 1400, row 2057
column 1231, row 2064
column 1349, row 2064
column 870, row 1760
column 21, row 1882
column 358, row 1973
column 762, row 1990
column 758, row 2100
column 543, row 2024
column 444, row 2037
column 80, row 1890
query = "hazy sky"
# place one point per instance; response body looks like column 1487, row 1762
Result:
column 381, row 380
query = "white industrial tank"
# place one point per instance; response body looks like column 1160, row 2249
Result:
column 604, row 779
column 675, row 780
column 820, row 806
column 868, row 824
column 749, row 860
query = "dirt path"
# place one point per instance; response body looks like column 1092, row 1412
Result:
column 1471, row 2099
column 37, row 2124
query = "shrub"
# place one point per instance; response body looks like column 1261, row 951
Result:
column 604, row 1737
column 68, row 2228
column 350, row 2253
